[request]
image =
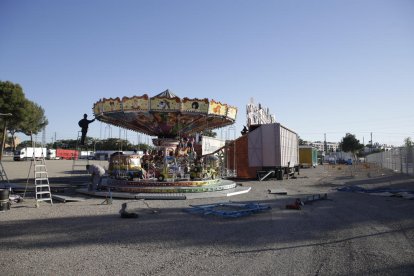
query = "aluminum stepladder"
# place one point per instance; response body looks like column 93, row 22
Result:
column 77, row 161
column 41, row 180
column 3, row 175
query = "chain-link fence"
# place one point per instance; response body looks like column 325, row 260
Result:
column 398, row 160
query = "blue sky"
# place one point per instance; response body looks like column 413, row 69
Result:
column 320, row 66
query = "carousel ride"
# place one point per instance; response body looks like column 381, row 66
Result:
column 177, row 164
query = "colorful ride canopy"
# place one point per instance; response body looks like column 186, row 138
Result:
column 164, row 115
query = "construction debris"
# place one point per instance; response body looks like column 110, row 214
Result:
column 262, row 175
column 160, row 196
column 125, row 214
column 228, row 210
column 64, row 199
column 278, row 191
column 150, row 209
column 316, row 197
column 295, row 205
column 15, row 198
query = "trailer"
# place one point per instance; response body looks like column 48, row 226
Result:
column 275, row 149
column 269, row 150
column 87, row 154
column 51, row 155
column 29, row 153
column 67, row 154
column 308, row 156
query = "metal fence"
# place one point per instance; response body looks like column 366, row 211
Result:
column 398, row 160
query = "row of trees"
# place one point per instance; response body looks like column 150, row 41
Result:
column 18, row 114
column 349, row 143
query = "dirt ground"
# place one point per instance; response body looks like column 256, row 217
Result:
column 347, row 234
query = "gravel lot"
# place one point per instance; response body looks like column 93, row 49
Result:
column 348, row 234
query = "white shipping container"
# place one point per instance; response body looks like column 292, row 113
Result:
column 273, row 145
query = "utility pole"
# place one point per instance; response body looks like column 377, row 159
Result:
column 325, row 145
column 44, row 136
column 371, row 141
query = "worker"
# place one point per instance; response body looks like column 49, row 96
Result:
column 84, row 124
column 97, row 172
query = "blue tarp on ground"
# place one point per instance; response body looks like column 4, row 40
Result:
column 380, row 190
column 228, row 210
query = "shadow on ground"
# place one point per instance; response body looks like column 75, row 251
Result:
column 319, row 221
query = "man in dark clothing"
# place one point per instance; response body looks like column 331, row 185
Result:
column 84, row 123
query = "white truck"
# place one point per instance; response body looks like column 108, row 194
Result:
column 51, row 155
column 87, row 154
column 29, row 152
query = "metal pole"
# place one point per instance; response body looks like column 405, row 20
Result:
column 406, row 160
column 371, row 142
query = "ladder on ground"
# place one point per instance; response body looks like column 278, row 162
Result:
column 41, row 181
column 3, row 175
column 79, row 164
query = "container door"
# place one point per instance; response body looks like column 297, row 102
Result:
column 289, row 148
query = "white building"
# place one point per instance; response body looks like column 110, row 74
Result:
column 377, row 147
column 331, row 147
